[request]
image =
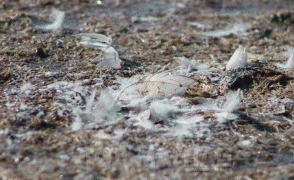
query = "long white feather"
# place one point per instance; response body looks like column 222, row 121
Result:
column 239, row 28
column 58, row 19
column 164, row 84
column 96, row 41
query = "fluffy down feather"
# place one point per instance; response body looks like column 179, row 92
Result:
column 106, row 107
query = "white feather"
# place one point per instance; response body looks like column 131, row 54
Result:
column 162, row 110
column 58, row 19
column 238, row 60
column 245, row 144
column 110, row 59
column 232, row 104
column 290, row 62
column 191, row 127
column 188, row 63
column 191, row 65
column 96, row 41
column 233, row 101
column 164, row 84
column 106, row 107
column 238, row 29
column 143, row 120
column 77, row 124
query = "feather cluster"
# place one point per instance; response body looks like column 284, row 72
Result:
column 233, row 101
column 110, row 58
column 238, row 60
column 152, row 101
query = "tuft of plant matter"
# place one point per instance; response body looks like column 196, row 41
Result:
column 238, row 60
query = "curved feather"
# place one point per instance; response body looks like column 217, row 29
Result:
column 238, row 60
column 58, row 19
column 162, row 84
column 96, row 41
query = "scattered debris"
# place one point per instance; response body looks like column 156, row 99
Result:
column 156, row 116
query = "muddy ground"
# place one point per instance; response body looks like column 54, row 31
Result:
column 37, row 142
